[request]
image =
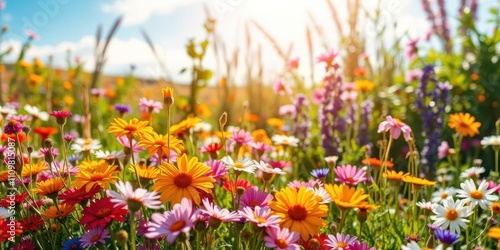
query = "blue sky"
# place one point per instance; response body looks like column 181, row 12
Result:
column 64, row 24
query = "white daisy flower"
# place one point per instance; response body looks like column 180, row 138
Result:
column 245, row 164
column 451, row 215
column 442, row 194
column 36, row 112
column 323, row 194
column 480, row 195
column 211, row 140
column 203, row 127
column 83, row 145
column 411, row 246
column 134, row 199
column 6, row 110
column 285, row 140
column 5, row 213
column 445, row 178
column 266, row 168
column 107, row 155
column 426, row 205
column 472, row 172
column 493, row 141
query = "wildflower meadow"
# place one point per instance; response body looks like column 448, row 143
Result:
column 384, row 139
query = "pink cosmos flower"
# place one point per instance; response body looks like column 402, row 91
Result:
column 293, row 63
column 125, row 142
column 327, row 57
column 218, row 213
column 317, row 96
column 396, row 126
column 152, row 106
column 172, row 223
column 139, row 196
column 260, row 146
column 310, row 184
column 261, row 216
column 443, row 150
column 281, row 88
column 288, row 109
column 253, row 197
column 280, row 164
column 493, row 186
column 361, row 246
column 341, row 241
column 281, row 239
column 32, row 35
column 411, row 49
column 413, row 75
column 350, row 175
column 94, row 236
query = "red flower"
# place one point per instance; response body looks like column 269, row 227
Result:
column 32, row 223
column 74, row 196
column 18, row 198
column 229, row 185
column 5, row 229
column 60, row 114
column 101, row 212
column 45, row 132
column 316, row 243
column 211, row 148
column 22, row 137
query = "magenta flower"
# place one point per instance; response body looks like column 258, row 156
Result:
column 317, row 96
column 361, row 246
column 241, row 136
column 261, row 216
column 411, row 49
column 219, row 169
column 172, row 223
column 94, row 236
column 150, row 106
column 13, row 127
column 350, row 175
column 281, row 88
column 341, row 241
column 396, row 126
column 32, row 35
column 327, row 57
column 253, row 197
column 281, row 239
column 260, row 146
column 413, row 75
column 60, row 114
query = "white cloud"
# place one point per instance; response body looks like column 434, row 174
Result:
column 139, row 11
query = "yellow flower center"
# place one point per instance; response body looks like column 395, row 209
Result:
column 451, row 214
column 281, row 243
column 102, row 212
column 259, row 219
column 444, row 195
column 398, row 122
column 178, row 225
column 183, row 180
column 239, row 165
column 476, row 194
column 161, row 142
column 341, row 245
column 297, row 212
column 95, row 238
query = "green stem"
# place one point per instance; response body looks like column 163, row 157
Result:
column 133, row 163
column 132, row 231
column 168, row 134
column 496, row 160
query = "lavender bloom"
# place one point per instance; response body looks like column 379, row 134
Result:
column 431, row 107
column 122, row 108
column 445, row 26
column 320, row 172
column 301, row 120
column 473, row 9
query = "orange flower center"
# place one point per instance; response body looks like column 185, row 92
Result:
column 254, row 203
column 444, row 195
column 495, row 208
column 451, row 214
column 341, row 245
column 178, row 225
column 75, row 246
column 239, row 165
column 96, row 177
column 183, row 180
column 161, row 142
column 103, row 212
column 95, row 238
column 350, row 179
column 130, row 128
column 314, row 244
column 398, row 122
column 476, row 194
column 297, row 212
column 281, row 243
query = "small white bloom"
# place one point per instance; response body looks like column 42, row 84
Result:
column 493, row 140
column 472, row 172
column 203, row 127
column 451, row 215
column 285, row 140
column 140, row 195
column 5, row 213
column 107, row 155
column 36, row 112
column 245, row 164
column 411, row 246
column 266, row 168
column 323, row 194
column 442, row 194
column 426, row 205
column 83, row 145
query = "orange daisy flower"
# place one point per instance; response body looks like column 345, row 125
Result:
column 131, row 129
column 345, row 196
column 101, row 175
column 464, row 124
column 53, row 213
column 158, row 144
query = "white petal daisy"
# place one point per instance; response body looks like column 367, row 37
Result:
column 136, row 198
column 451, row 215
column 245, row 164
column 480, row 195
column 285, row 140
column 472, row 172
column 442, row 194
column 266, row 168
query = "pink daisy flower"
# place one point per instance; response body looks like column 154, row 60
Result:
column 218, row 213
column 288, row 109
column 396, row 126
column 241, row 136
column 261, row 216
column 317, row 96
column 94, row 236
column 172, row 223
column 360, row 246
column 310, row 184
column 219, row 169
column 293, row 63
column 341, row 241
column 411, row 49
column 281, row 239
column 443, row 150
column 152, row 106
column 260, row 147
column 327, row 57
column 253, row 197
column 350, row 175
column 134, row 199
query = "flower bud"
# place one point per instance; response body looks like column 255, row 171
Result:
column 168, row 96
column 121, row 237
column 223, row 119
